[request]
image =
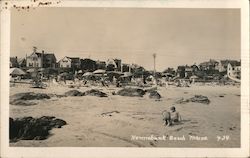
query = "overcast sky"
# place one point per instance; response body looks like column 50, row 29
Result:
column 177, row 36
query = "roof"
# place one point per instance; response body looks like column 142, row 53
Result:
column 235, row 63
column 232, row 62
column 49, row 56
column 210, row 62
column 74, row 59
column 20, row 60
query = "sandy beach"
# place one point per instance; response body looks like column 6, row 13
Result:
column 89, row 123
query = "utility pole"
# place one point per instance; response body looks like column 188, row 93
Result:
column 154, row 56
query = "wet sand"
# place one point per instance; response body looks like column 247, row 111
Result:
column 135, row 116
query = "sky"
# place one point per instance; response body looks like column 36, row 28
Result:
column 177, row 36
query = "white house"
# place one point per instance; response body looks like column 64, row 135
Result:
column 69, row 62
column 234, row 70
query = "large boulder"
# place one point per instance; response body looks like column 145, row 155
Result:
column 74, row 93
column 28, row 128
column 95, row 92
column 25, row 98
column 131, row 92
column 154, row 95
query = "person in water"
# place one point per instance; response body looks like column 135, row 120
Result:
column 171, row 117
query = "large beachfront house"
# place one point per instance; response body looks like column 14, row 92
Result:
column 223, row 64
column 41, row 60
column 234, row 69
column 210, row 65
column 69, row 62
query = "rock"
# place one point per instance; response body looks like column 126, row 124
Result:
column 74, row 93
column 154, row 95
column 200, row 99
column 24, row 98
column 95, row 92
column 196, row 98
column 29, row 128
column 131, row 92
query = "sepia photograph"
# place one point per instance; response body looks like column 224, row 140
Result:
column 125, row 77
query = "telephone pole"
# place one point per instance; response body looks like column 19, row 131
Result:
column 154, row 56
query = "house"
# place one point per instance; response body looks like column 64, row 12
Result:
column 41, row 60
column 88, row 64
column 188, row 71
column 223, row 64
column 13, row 62
column 69, row 62
column 21, row 62
column 101, row 64
column 180, row 72
column 234, row 70
column 125, row 68
column 209, row 65
column 113, row 64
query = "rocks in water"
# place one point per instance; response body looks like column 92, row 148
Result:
column 23, row 98
column 95, row 92
column 196, row 98
column 29, row 128
column 74, row 93
column 131, row 92
column 154, row 95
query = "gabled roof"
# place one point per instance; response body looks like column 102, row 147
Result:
column 20, row 61
column 226, row 62
column 49, row 56
column 235, row 63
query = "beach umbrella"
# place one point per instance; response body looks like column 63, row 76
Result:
column 168, row 74
column 32, row 70
column 88, row 74
column 99, row 71
column 41, row 69
column 126, row 74
column 194, row 77
column 80, row 71
column 17, row 71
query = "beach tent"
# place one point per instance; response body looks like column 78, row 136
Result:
column 99, row 71
column 17, row 71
